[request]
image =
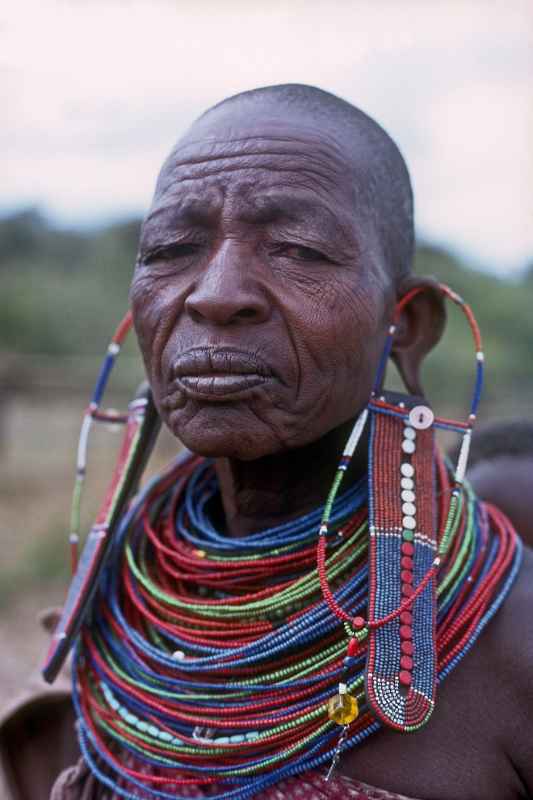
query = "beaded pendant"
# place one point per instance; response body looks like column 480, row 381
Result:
column 343, row 707
column 401, row 666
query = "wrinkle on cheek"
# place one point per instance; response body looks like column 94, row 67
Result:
column 294, row 344
column 312, row 333
column 296, row 425
column 365, row 302
column 156, row 310
column 270, row 425
column 305, row 281
column 138, row 294
column 345, row 340
column 357, row 327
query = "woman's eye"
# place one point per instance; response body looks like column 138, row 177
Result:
column 171, row 252
column 300, row 253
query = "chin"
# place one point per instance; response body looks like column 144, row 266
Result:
column 224, row 433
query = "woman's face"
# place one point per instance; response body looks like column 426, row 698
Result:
column 260, row 297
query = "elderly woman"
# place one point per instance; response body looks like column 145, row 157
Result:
column 221, row 659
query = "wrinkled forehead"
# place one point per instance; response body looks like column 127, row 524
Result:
column 254, row 157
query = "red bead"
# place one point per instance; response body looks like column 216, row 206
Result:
column 407, row 589
column 407, row 648
column 407, row 548
column 359, row 623
column 406, row 562
column 406, row 576
column 405, row 677
column 353, row 646
column 406, row 632
column 406, row 618
column 406, row 662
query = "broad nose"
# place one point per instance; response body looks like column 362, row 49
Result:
column 227, row 292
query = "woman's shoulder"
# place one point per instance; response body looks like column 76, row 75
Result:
column 507, row 648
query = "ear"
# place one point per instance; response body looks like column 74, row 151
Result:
column 419, row 328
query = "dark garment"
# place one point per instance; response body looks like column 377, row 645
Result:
column 37, row 735
column 37, row 741
column 77, row 783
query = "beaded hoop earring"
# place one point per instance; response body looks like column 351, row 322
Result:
column 407, row 541
column 142, row 425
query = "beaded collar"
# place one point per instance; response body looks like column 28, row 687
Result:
column 213, row 660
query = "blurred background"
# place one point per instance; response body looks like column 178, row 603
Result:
column 95, row 93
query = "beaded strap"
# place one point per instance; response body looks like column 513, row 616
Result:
column 401, row 661
column 141, row 429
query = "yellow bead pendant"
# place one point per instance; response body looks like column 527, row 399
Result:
column 343, row 708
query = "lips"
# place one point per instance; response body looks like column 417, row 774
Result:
column 219, row 373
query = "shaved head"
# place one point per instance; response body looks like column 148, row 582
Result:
column 381, row 178
column 278, row 241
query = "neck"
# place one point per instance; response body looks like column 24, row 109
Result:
column 272, row 490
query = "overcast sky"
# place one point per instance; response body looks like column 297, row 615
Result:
column 96, row 92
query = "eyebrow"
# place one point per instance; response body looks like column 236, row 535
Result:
column 260, row 209
column 270, row 208
column 186, row 211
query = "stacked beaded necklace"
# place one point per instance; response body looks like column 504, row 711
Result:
column 230, row 663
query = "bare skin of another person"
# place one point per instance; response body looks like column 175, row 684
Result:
column 507, row 482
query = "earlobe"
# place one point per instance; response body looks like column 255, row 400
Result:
column 420, row 326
